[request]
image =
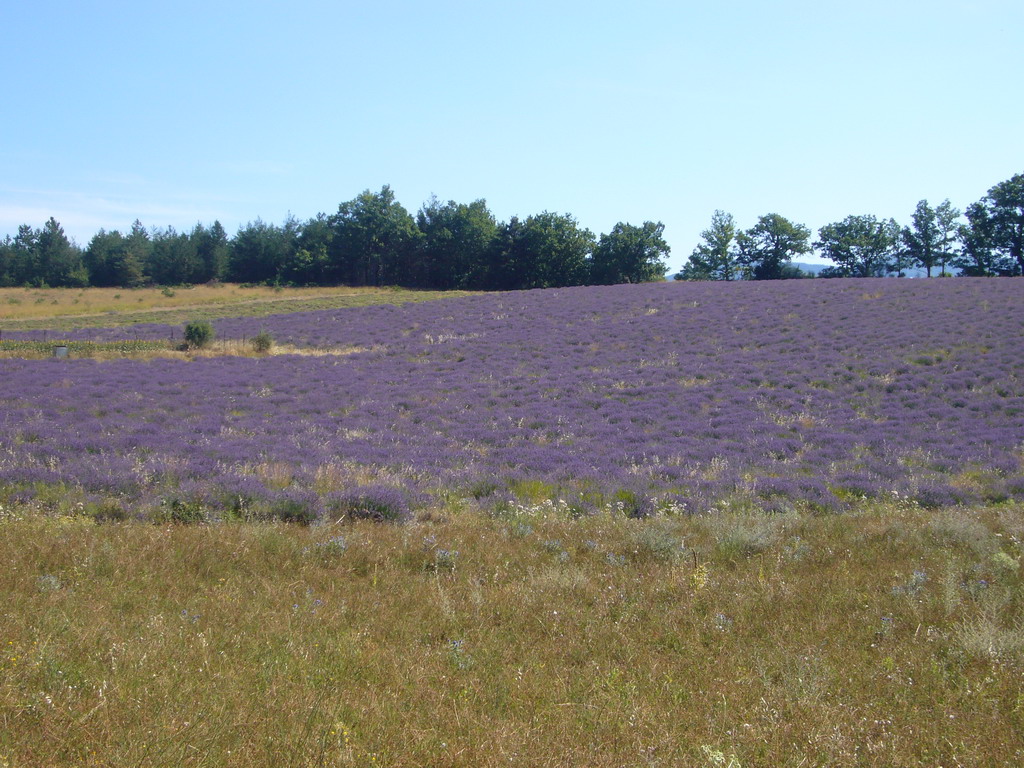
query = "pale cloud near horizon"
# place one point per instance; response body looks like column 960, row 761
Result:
column 82, row 215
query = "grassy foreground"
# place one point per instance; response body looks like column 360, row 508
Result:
column 24, row 309
column 892, row 636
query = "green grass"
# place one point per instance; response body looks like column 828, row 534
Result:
column 888, row 636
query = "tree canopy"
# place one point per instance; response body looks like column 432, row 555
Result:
column 767, row 248
column 860, row 246
column 989, row 243
column 370, row 240
column 630, row 254
column 715, row 258
column 454, row 243
column 1004, row 204
column 373, row 240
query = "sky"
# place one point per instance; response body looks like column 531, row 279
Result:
column 181, row 112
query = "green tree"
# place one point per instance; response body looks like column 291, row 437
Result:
column 630, row 254
column 309, row 263
column 948, row 227
column 111, row 261
column 260, row 251
column 860, row 246
column 100, row 255
column 548, row 250
column 96, row 258
column 374, row 240
column 1005, row 204
column 454, row 243
column 58, row 260
column 978, row 256
column 7, row 253
column 766, row 249
column 507, row 260
column 307, row 267
column 553, row 251
column 137, row 249
column 716, row 257
column 927, row 241
column 23, row 256
column 560, row 248
column 213, row 252
column 173, row 259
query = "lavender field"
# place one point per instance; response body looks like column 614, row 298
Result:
column 806, row 395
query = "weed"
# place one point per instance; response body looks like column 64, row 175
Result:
column 442, row 561
column 958, row 528
column 1004, row 565
column 699, row 577
column 741, row 537
column 716, row 758
column 658, row 542
column 48, row 583
column 332, row 548
column 460, row 659
column 913, row 585
column 985, row 637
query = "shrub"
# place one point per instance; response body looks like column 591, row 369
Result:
column 1003, row 564
column 198, row 334
column 262, row 342
column 372, row 502
column 632, row 504
column 295, row 506
column 936, row 495
column 108, row 510
column 183, row 511
column 240, row 497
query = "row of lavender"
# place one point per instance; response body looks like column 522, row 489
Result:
column 805, row 393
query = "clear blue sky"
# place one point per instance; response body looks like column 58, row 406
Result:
column 184, row 111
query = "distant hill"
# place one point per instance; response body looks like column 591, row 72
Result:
column 814, row 269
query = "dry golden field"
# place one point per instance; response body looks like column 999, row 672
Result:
column 890, row 636
column 62, row 308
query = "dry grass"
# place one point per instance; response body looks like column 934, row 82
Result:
column 153, row 350
column 21, row 303
column 799, row 641
column 61, row 308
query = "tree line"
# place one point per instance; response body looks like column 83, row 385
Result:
column 370, row 240
column 987, row 239
column 373, row 240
